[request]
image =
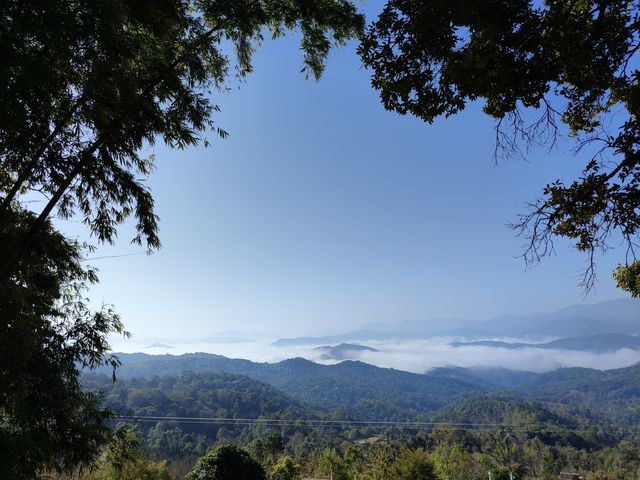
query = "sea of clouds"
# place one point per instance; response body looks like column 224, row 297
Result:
column 415, row 356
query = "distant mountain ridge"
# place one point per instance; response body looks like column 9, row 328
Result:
column 228, row 395
column 343, row 351
column 602, row 343
column 612, row 394
column 160, row 345
column 495, row 379
column 621, row 316
column 184, row 414
column 363, row 388
column 370, row 392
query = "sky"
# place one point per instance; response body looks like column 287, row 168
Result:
column 322, row 212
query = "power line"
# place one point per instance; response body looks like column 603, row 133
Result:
column 315, row 423
column 309, row 422
column 114, row 256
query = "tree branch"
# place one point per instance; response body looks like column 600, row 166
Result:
column 28, row 170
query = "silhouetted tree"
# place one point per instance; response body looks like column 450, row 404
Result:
column 227, row 462
column 84, row 85
column 285, row 469
column 124, row 459
column 554, row 62
column 47, row 335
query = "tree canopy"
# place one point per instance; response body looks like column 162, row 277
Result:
column 85, row 85
column 536, row 66
column 227, row 462
column 125, row 459
column 48, row 334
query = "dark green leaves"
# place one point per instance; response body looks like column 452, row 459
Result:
column 47, row 335
column 227, row 462
column 87, row 84
column 84, row 86
column 574, row 61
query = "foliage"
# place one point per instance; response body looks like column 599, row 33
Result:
column 453, row 462
column 265, row 450
column 124, row 459
column 368, row 391
column 285, row 469
column 48, row 334
column 526, row 460
column 227, row 462
column 331, row 464
column 203, row 395
column 497, row 432
column 557, row 61
column 85, row 85
column 365, row 392
column 627, row 278
column 195, row 394
column 413, row 465
column 610, row 395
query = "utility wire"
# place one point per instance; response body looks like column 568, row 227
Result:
column 311, row 423
column 114, row 256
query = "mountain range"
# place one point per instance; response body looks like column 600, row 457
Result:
column 602, row 343
column 353, row 385
column 621, row 316
column 370, row 392
column 343, row 351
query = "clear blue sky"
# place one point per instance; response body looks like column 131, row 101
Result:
column 322, row 212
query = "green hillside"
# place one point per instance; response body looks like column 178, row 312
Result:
column 613, row 395
column 364, row 390
column 182, row 415
column 368, row 392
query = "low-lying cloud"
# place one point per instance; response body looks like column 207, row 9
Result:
column 421, row 356
column 415, row 356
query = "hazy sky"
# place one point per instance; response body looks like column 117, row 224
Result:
column 322, row 212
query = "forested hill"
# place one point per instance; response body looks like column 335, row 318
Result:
column 614, row 394
column 363, row 389
column 553, row 424
column 203, row 394
column 489, row 409
column 602, row 343
column 369, row 392
column 180, row 416
column 486, row 378
column 581, row 408
column 195, row 410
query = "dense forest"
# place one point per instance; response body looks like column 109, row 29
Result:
column 89, row 88
column 441, row 455
column 368, row 392
column 168, row 422
column 356, row 385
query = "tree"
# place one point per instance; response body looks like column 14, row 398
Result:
column 285, row 469
column 124, row 459
column 413, row 465
column 47, row 335
column 504, row 457
column 331, row 464
column 84, row 85
column 536, row 66
column 394, row 462
column 227, row 462
column 453, row 462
